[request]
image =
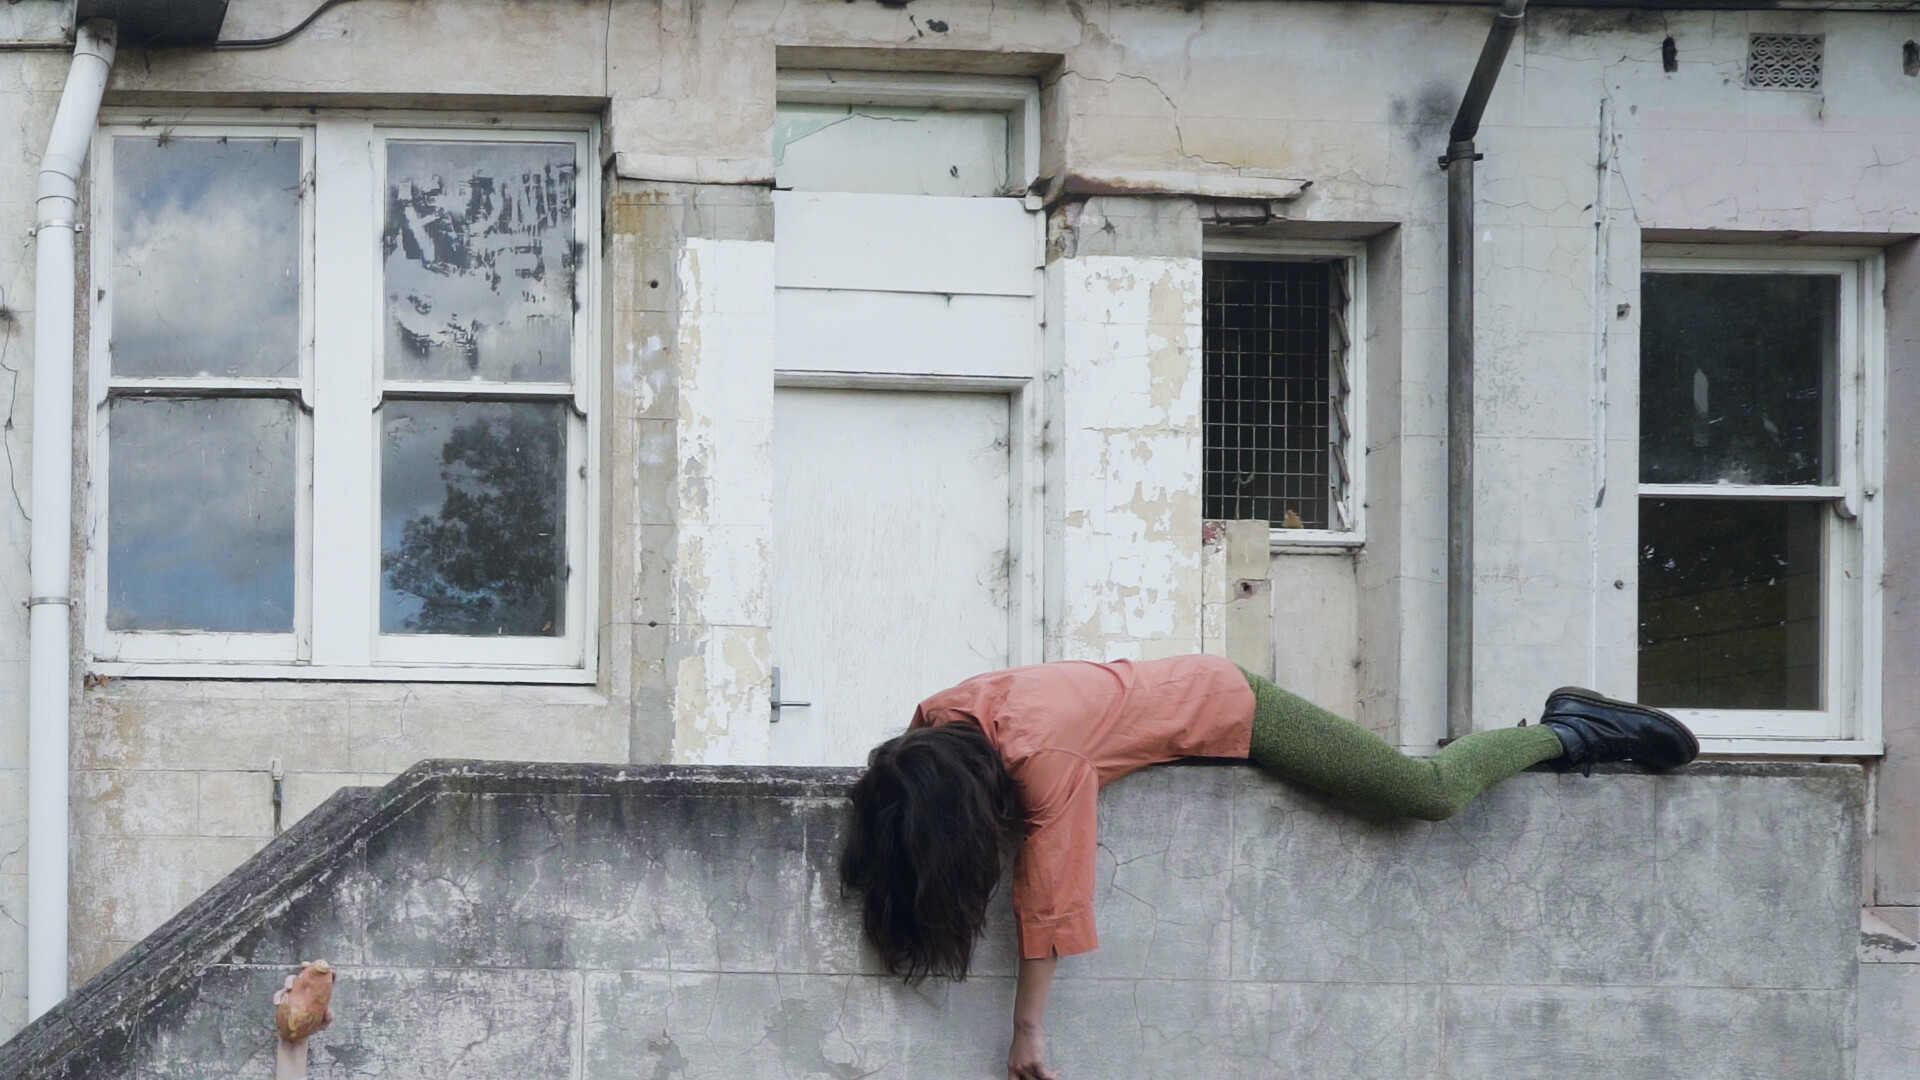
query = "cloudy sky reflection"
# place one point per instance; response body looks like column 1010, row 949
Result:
column 205, row 282
column 201, row 536
column 206, row 256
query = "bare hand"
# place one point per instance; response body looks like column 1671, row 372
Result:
column 1027, row 1060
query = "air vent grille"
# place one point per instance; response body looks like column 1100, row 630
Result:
column 1784, row 61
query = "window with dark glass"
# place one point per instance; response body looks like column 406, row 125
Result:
column 1738, row 487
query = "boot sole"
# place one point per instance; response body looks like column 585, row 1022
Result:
column 1581, row 693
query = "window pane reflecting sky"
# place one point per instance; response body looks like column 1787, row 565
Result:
column 206, row 256
column 201, row 531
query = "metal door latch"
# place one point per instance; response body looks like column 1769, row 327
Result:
column 778, row 704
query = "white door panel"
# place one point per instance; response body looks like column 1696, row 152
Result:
column 904, row 243
column 891, row 559
column 918, row 333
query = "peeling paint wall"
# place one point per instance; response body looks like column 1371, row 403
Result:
column 721, row 651
column 1123, row 516
column 693, row 333
column 1353, row 97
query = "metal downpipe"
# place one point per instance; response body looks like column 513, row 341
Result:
column 49, row 601
column 1458, row 163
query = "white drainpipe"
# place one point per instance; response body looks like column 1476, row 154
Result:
column 49, row 605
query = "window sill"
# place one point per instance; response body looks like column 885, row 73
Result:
column 1718, row 746
column 1314, row 542
column 117, row 669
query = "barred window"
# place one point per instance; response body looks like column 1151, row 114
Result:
column 1278, row 392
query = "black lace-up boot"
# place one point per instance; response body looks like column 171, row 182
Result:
column 1597, row 729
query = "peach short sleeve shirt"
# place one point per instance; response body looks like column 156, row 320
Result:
column 1069, row 728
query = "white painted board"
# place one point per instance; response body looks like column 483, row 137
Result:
column 904, row 243
column 922, row 333
column 890, row 559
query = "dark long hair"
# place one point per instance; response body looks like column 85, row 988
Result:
column 933, row 821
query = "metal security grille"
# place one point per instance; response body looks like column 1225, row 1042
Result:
column 1784, row 61
column 1275, row 339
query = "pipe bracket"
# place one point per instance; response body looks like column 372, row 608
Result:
column 36, row 601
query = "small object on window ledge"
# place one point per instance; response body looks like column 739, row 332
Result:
column 1292, row 521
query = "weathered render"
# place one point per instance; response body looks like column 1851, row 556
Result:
column 1609, row 129
column 498, row 920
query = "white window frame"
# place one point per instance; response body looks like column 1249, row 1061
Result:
column 1853, row 545
column 1353, row 501
column 340, row 388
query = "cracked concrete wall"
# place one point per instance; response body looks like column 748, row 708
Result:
column 171, row 788
column 1889, row 1042
column 1560, row 928
column 1354, row 97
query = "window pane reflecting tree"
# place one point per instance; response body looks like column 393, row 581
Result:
column 473, row 518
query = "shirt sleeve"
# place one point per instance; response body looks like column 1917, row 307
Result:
column 1053, row 875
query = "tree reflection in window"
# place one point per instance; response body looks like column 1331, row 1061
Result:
column 473, row 518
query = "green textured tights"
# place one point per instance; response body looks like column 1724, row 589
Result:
column 1302, row 741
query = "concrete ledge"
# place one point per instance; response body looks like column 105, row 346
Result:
column 585, row 921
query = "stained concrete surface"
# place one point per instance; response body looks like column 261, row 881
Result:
column 589, row 922
column 1889, row 1000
